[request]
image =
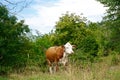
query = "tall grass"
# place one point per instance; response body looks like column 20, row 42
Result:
column 103, row 70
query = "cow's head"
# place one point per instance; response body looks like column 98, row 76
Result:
column 68, row 48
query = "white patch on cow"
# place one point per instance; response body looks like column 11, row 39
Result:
column 68, row 48
column 50, row 69
column 64, row 59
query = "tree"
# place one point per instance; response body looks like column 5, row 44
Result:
column 70, row 27
column 75, row 29
column 113, row 8
column 14, row 45
column 15, row 6
column 113, row 19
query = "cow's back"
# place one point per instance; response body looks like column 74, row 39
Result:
column 54, row 53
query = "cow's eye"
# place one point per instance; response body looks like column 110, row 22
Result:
column 67, row 47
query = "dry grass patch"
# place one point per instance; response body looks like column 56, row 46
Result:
column 103, row 70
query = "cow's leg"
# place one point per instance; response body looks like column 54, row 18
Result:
column 50, row 67
column 65, row 63
column 56, row 66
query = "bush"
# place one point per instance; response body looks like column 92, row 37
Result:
column 115, row 59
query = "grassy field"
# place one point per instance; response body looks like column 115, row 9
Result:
column 107, row 69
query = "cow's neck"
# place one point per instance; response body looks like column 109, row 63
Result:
column 65, row 55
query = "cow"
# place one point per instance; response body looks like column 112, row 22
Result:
column 57, row 54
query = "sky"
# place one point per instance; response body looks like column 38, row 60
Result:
column 42, row 15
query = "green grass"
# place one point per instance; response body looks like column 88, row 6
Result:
column 104, row 70
column 3, row 78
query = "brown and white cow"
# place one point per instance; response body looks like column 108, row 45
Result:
column 58, row 54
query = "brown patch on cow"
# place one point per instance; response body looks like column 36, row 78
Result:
column 54, row 53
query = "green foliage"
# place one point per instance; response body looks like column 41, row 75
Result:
column 76, row 30
column 70, row 27
column 3, row 78
column 89, row 46
column 13, row 41
column 41, row 43
column 113, row 8
column 113, row 19
column 19, row 50
column 115, row 60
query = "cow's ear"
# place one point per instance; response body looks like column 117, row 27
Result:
column 73, row 46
